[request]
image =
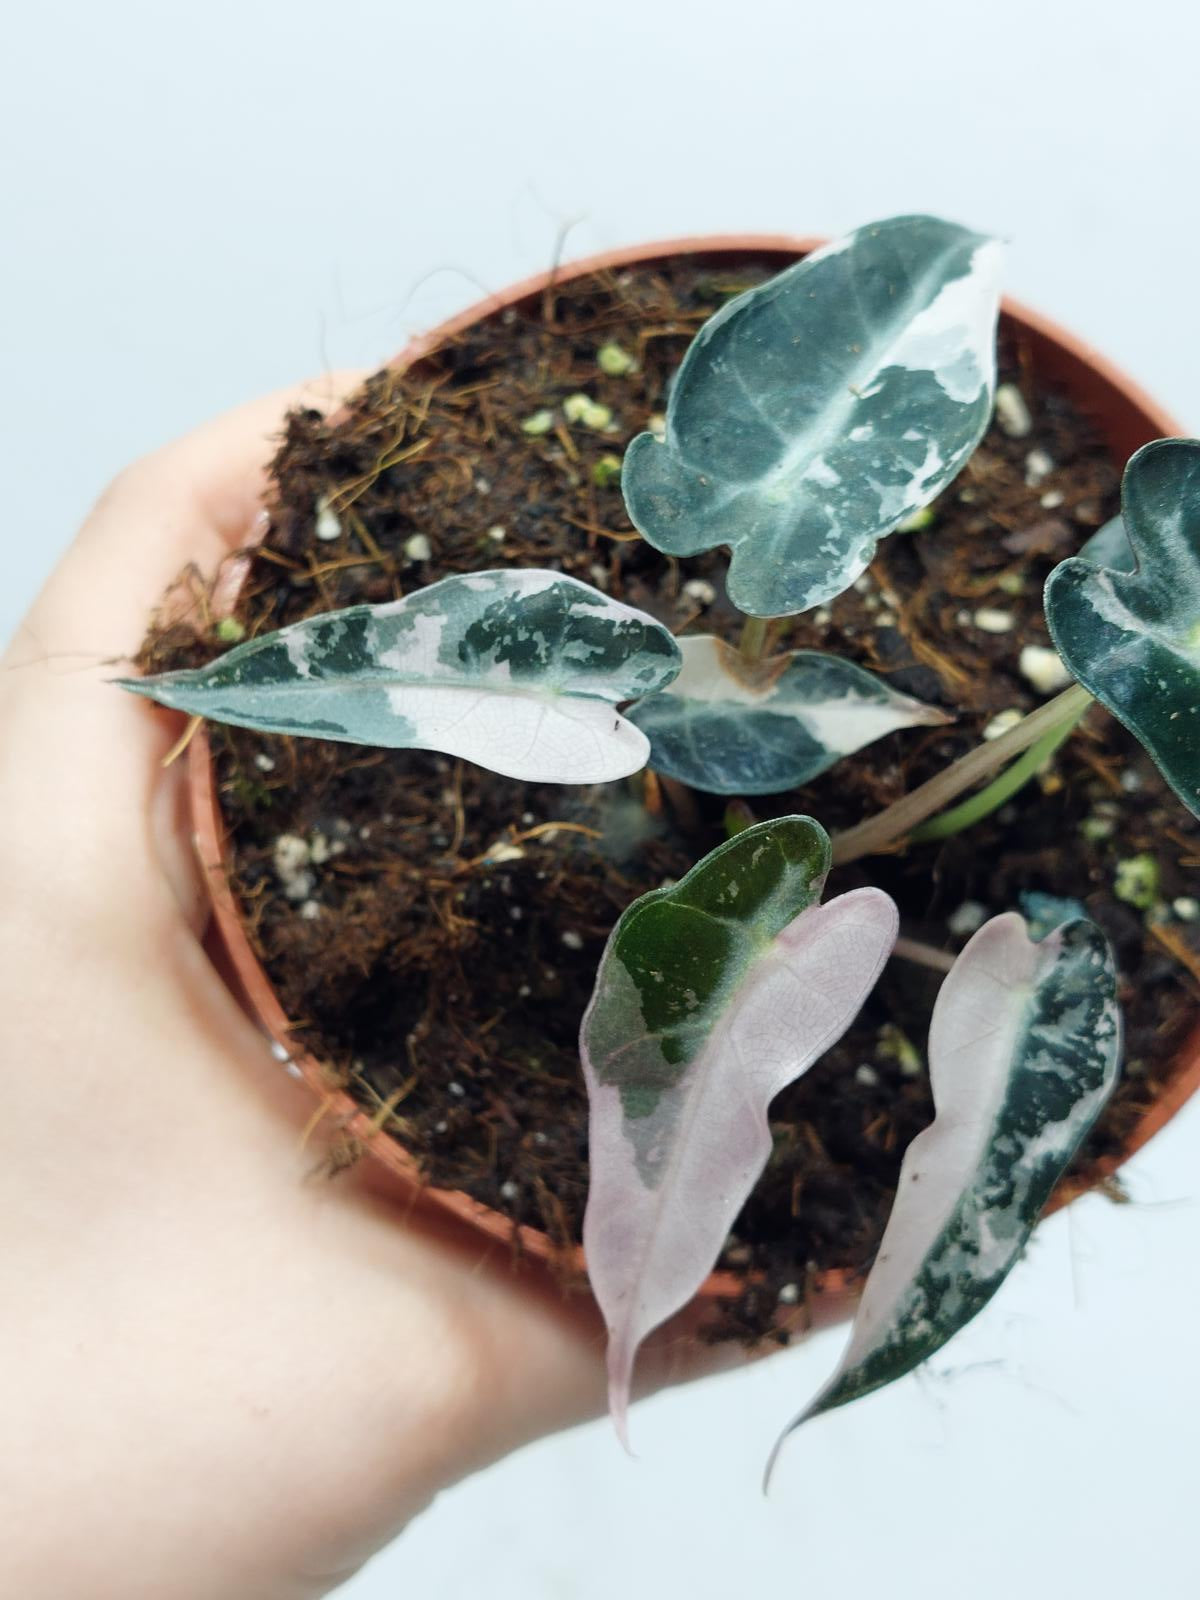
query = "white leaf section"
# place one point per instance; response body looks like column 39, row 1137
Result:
column 731, row 729
column 566, row 739
column 1024, row 1048
column 518, row 670
column 816, row 411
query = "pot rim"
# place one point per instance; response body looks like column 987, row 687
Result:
column 1128, row 410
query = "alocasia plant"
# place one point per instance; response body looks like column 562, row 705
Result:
column 732, row 727
column 1024, row 1047
column 712, row 996
column 813, row 414
column 810, row 416
column 517, row 670
column 1132, row 635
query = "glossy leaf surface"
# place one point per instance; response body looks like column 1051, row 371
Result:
column 1132, row 637
column 815, row 412
column 516, row 670
column 713, row 994
column 1024, row 1049
column 729, row 729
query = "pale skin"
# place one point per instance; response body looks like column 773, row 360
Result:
column 222, row 1376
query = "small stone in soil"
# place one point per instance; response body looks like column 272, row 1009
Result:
column 968, row 918
column 988, row 620
column 1043, row 668
column 1096, row 827
column 327, row 527
column 1011, row 411
column 1136, row 881
column 614, row 360
column 503, row 850
column 290, row 858
column 1002, row 722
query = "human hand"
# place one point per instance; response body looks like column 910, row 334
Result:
column 220, row 1379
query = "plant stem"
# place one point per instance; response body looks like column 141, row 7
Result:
column 925, row 955
column 753, row 642
column 881, row 832
column 682, row 803
column 997, row 792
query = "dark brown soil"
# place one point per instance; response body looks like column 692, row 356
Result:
column 443, row 979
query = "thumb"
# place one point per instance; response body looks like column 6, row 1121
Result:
column 193, row 501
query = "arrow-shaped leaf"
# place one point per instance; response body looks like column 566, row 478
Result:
column 1132, row 637
column 1023, row 1052
column 814, row 413
column 518, row 671
column 729, row 728
column 711, row 997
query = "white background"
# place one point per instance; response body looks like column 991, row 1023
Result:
column 205, row 201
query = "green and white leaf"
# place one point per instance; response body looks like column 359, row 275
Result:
column 728, row 728
column 1132, row 636
column 711, row 996
column 518, row 671
column 816, row 412
column 1024, row 1048
column 1109, row 547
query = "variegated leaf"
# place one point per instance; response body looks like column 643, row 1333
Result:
column 712, row 995
column 729, row 728
column 1109, row 547
column 814, row 413
column 1132, row 637
column 517, row 670
column 1024, row 1049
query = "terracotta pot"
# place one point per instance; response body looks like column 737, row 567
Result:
column 1125, row 417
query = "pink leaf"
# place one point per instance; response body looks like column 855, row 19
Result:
column 707, row 1004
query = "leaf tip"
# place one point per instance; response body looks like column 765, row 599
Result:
column 140, row 686
column 620, row 1374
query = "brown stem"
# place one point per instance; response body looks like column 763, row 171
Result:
column 682, row 802
column 880, row 832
